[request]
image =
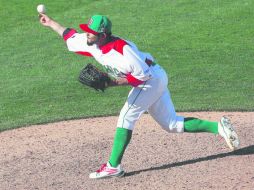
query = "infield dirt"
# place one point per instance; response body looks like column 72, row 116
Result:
column 61, row 156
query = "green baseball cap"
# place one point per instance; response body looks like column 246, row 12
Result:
column 97, row 24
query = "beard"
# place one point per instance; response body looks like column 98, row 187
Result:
column 93, row 42
column 90, row 43
column 97, row 41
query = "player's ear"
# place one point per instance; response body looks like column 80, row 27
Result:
column 103, row 35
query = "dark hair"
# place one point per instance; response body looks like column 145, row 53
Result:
column 108, row 35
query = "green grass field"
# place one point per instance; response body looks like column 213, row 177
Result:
column 207, row 48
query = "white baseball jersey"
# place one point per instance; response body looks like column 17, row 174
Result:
column 122, row 58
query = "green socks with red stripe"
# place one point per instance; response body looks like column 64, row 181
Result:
column 121, row 140
column 194, row 125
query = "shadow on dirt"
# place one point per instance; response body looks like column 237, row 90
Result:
column 243, row 151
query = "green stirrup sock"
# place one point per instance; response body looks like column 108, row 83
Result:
column 193, row 125
column 121, row 140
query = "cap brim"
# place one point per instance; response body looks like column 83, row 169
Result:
column 85, row 28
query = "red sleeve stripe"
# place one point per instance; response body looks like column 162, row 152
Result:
column 84, row 53
column 133, row 81
column 69, row 34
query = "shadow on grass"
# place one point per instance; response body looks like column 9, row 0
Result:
column 243, row 151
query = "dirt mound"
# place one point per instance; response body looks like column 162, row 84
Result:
column 61, row 156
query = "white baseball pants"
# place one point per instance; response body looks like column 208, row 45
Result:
column 152, row 96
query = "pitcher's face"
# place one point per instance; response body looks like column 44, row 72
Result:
column 92, row 39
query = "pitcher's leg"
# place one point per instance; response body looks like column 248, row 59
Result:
column 121, row 141
column 138, row 101
column 224, row 128
column 163, row 112
column 132, row 110
column 194, row 125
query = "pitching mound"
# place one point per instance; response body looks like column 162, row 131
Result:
column 61, row 156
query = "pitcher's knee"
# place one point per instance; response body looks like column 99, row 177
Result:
column 126, row 123
column 175, row 125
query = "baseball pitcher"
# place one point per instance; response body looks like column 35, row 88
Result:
column 127, row 65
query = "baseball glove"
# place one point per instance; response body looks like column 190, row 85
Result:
column 93, row 77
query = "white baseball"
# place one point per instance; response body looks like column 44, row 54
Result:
column 41, row 9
